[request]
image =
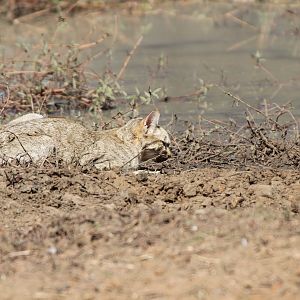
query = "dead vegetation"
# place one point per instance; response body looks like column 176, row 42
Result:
column 21, row 7
column 20, row 10
column 57, row 78
column 267, row 138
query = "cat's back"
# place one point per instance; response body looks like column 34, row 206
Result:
column 49, row 126
column 26, row 118
column 63, row 133
column 38, row 138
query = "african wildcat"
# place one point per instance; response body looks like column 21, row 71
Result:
column 33, row 138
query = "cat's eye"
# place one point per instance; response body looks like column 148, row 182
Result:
column 166, row 144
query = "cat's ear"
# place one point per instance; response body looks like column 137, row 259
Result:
column 151, row 121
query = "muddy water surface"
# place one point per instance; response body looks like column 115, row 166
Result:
column 183, row 46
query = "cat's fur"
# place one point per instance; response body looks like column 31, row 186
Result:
column 33, row 138
column 27, row 117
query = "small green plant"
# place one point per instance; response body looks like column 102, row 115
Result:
column 106, row 93
column 146, row 97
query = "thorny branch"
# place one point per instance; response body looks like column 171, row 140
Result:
column 263, row 138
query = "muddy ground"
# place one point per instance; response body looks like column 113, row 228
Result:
column 220, row 219
column 208, row 233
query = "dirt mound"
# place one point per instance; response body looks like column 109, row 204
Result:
column 220, row 219
column 80, row 235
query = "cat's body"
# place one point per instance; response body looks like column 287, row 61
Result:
column 33, row 139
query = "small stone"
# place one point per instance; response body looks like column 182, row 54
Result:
column 190, row 248
column 235, row 201
column 3, row 185
column 262, row 190
column 206, row 201
column 296, row 188
column 190, row 190
column 194, row 228
column 244, row 242
column 110, row 206
column 146, row 256
column 202, row 200
column 160, row 204
column 130, row 266
column 201, row 211
column 295, row 195
column 28, row 189
column 295, row 207
column 71, row 198
column 52, row 250
column 142, row 176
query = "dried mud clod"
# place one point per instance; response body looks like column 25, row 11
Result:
column 62, row 220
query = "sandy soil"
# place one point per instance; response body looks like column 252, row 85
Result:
column 201, row 234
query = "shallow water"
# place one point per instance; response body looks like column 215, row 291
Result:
column 191, row 42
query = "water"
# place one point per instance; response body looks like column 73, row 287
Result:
column 191, row 42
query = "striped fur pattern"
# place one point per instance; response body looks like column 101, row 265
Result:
column 33, row 139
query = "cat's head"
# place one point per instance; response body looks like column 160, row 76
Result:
column 154, row 139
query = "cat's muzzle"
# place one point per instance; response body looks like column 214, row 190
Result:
column 156, row 154
column 164, row 155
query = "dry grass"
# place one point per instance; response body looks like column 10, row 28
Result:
column 264, row 138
